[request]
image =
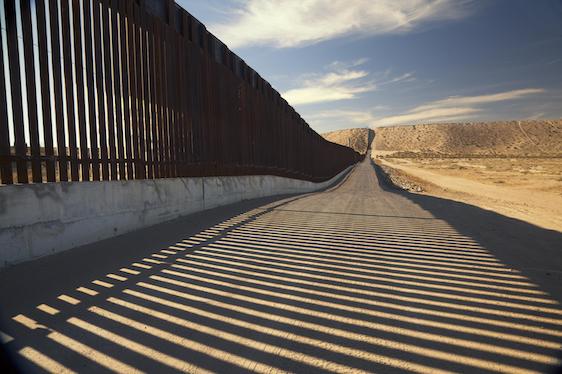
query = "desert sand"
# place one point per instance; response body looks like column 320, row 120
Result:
column 513, row 168
column 526, row 189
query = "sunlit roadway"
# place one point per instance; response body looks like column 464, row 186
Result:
column 358, row 278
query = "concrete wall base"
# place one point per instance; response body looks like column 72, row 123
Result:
column 41, row 219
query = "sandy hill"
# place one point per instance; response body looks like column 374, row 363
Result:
column 507, row 138
column 357, row 139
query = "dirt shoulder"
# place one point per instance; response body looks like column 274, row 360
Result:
column 529, row 189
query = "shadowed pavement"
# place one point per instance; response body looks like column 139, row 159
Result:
column 359, row 278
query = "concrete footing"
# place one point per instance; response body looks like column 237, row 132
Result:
column 40, row 219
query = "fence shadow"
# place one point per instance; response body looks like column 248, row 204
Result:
column 275, row 288
column 532, row 250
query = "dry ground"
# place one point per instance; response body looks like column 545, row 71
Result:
column 511, row 167
column 529, row 189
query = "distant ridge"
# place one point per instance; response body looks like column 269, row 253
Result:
column 531, row 138
column 357, row 138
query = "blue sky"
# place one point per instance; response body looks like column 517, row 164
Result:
column 356, row 63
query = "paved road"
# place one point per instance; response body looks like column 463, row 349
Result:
column 359, row 278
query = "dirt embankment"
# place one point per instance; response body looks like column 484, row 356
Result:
column 358, row 139
column 400, row 180
column 492, row 139
column 510, row 168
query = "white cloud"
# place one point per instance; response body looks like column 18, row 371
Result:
column 427, row 115
column 332, row 86
column 329, row 120
column 346, row 65
column 537, row 115
column 341, row 81
column 294, row 23
column 407, row 77
column 352, row 116
column 452, row 108
column 482, row 99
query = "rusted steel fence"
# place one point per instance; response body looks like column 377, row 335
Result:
column 125, row 89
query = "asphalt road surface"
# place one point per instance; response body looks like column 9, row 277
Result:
column 358, row 278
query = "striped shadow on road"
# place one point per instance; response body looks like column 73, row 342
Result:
column 279, row 290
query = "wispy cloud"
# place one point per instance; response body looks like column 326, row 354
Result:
column 482, row 99
column 350, row 116
column 294, row 23
column 537, row 115
column 453, row 108
column 336, row 65
column 450, row 109
column 328, row 120
column 341, row 83
column 427, row 115
column 407, row 77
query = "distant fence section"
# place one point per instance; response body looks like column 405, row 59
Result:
column 129, row 89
